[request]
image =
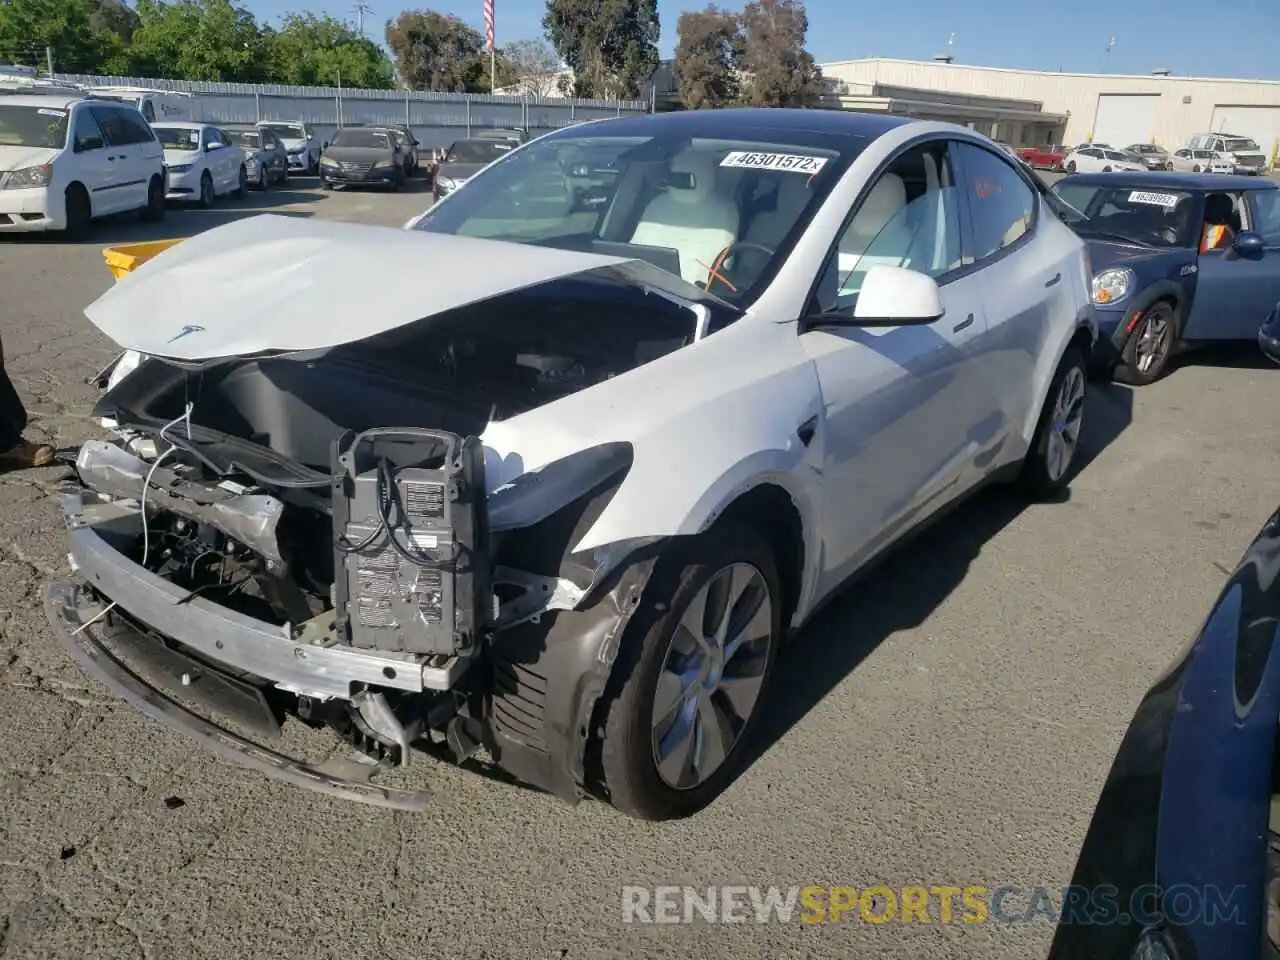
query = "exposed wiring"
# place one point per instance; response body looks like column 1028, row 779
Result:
column 146, row 528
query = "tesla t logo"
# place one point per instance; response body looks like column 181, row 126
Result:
column 189, row 328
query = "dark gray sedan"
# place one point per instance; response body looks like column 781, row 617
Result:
column 266, row 160
column 465, row 159
column 363, row 155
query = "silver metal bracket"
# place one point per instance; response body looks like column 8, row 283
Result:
column 539, row 594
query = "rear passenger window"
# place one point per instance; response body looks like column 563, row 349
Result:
column 122, row 126
column 148, row 111
column 1266, row 206
column 1001, row 204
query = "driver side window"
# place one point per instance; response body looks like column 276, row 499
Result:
column 910, row 217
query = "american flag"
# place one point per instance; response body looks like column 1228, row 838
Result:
column 488, row 24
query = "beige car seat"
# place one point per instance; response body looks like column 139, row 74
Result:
column 697, row 222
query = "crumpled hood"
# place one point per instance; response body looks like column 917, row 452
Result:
column 281, row 284
column 19, row 158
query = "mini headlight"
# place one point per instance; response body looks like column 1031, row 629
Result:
column 1112, row 285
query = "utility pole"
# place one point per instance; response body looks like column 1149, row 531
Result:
column 361, row 9
column 48, row 59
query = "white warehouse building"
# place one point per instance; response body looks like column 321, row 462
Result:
column 1033, row 108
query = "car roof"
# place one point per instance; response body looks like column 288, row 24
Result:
column 737, row 122
column 59, row 101
column 1199, row 182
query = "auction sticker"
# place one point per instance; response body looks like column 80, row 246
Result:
column 1155, row 199
column 788, row 162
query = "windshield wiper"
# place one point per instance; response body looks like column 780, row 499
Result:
column 1114, row 237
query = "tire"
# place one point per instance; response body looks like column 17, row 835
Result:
column 79, row 212
column 1196, row 168
column 1106, row 169
column 154, row 211
column 633, row 781
column 1071, row 167
column 1145, row 357
column 264, row 179
column 326, row 185
column 1045, row 472
column 242, row 187
column 207, row 195
column 397, row 182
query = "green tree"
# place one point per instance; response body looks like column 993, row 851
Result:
column 436, row 51
column 779, row 71
column 313, row 50
column 612, row 45
column 199, row 40
column 707, row 55
column 113, row 24
column 29, row 27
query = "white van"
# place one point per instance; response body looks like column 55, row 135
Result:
column 155, row 105
column 67, row 157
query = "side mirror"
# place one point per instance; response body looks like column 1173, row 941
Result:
column 1249, row 244
column 896, row 297
column 215, row 145
column 310, row 137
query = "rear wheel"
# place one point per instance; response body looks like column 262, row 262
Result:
column 154, row 211
column 1048, row 466
column 1106, row 169
column 692, row 676
column 79, row 212
column 1071, row 167
column 1146, row 353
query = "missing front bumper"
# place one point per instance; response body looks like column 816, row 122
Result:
column 99, row 650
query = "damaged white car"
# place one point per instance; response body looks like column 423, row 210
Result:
column 546, row 480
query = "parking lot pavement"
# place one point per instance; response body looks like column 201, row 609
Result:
column 949, row 722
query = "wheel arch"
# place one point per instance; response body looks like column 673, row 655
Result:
column 1166, row 291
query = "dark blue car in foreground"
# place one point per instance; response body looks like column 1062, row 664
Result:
column 1179, row 259
column 1182, row 858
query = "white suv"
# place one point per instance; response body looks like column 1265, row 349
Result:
column 1244, row 154
column 66, row 158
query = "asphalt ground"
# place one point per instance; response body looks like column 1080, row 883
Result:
column 949, row 722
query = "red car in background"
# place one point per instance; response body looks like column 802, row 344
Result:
column 1048, row 158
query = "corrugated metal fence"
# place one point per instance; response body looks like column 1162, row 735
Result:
column 437, row 118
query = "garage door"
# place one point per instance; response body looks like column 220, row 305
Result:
column 1125, row 118
column 1261, row 124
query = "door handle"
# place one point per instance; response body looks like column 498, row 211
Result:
column 110, row 158
column 966, row 322
column 1056, row 278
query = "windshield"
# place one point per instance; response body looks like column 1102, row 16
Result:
column 355, row 137
column 1149, row 218
column 22, row 126
column 1234, row 146
column 675, row 202
column 246, row 138
column 1114, row 155
column 286, row 131
column 179, row 138
column 477, row 151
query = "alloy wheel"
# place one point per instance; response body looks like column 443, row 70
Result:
column 712, row 675
column 1064, row 428
column 1153, row 341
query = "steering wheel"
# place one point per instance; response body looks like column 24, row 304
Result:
column 714, row 273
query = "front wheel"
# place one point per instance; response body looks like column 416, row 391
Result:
column 263, row 179
column 242, row 184
column 692, row 676
column 1146, row 353
column 1196, row 168
column 1071, row 167
column 1048, row 466
column 206, row 190
column 1106, row 169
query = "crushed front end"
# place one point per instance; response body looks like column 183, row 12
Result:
column 366, row 599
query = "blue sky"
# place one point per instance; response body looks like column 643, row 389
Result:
column 1071, row 36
